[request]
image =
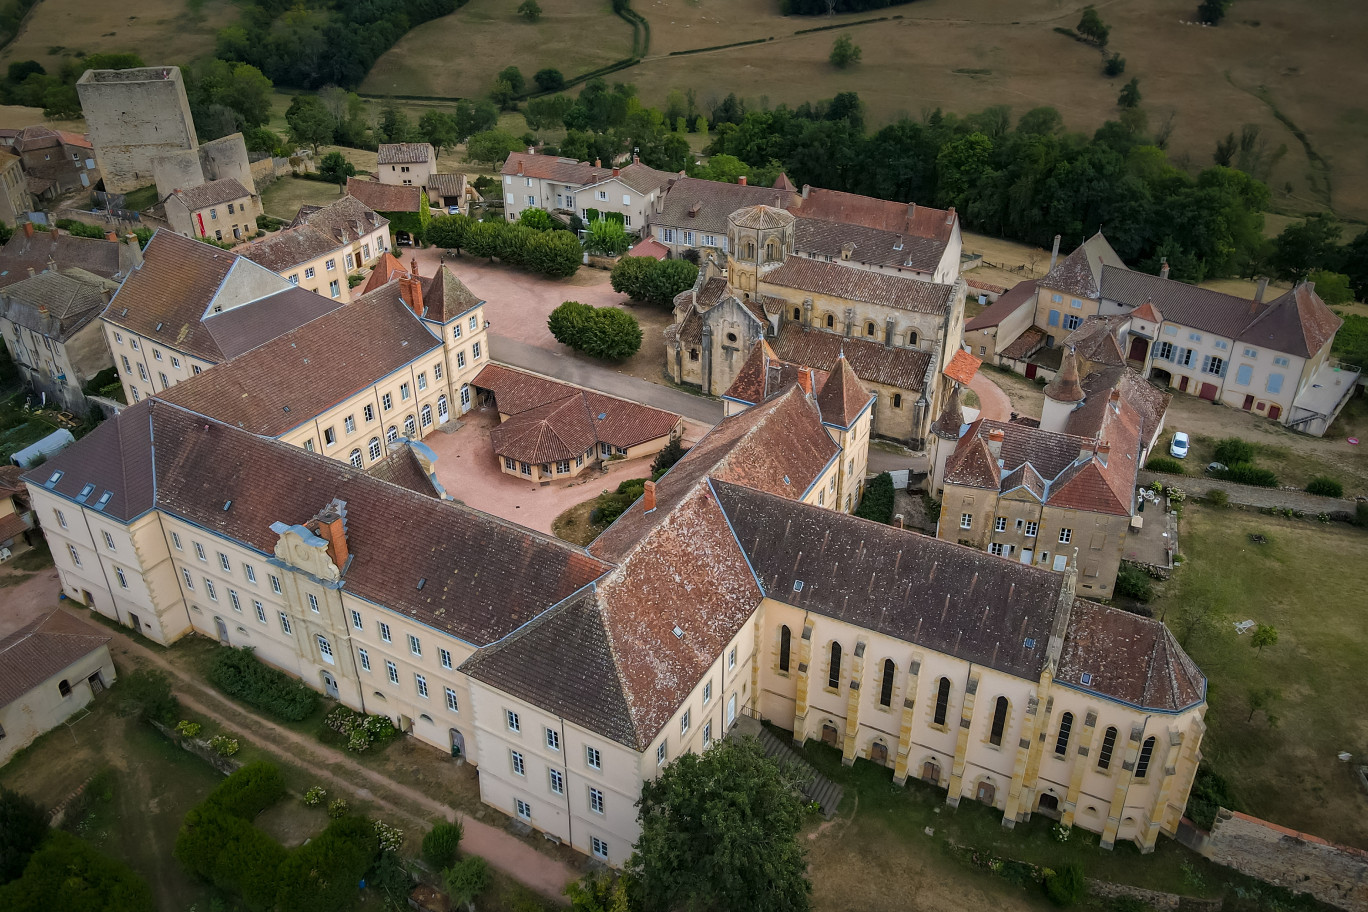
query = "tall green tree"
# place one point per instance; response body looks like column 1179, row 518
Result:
column 492, row 147
column 1304, row 246
column 845, row 53
column 336, row 168
column 530, row 10
column 719, row 830
column 69, row 874
column 23, row 824
column 438, row 128
column 394, row 125
column 310, row 122
column 1091, row 28
column 1130, row 94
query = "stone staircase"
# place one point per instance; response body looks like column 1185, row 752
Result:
column 814, row 785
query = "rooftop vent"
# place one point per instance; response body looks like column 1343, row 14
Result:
column 422, row 582
column 797, row 585
column 678, row 632
column 1086, row 678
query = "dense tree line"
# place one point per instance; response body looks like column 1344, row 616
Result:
column 306, row 44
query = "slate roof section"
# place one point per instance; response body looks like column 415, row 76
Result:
column 447, row 185
column 56, row 304
column 43, row 648
column 288, row 248
column 1080, row 273
column 1131, row 658
column 380, row 197
column 213, row 193
column 1022, row 346
column 838, row 281
column 297, row 376
column 1188, row 305
column 694, row 204
column 936, row 594
column 345, row 220
column 1095, row 341
column 951, row 419
column 1019, row 295
column 241, row 329
column 873, row 362
column 404, row 153
column 1297, row 323
column 46, row 249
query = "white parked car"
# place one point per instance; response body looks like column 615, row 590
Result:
column 1178, row 449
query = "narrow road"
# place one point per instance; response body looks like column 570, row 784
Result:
column 343, row 775
column 604, row 379
column 993, row 402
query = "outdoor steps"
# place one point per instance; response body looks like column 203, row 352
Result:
column 814, row 785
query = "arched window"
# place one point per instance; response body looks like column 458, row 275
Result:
column 355, row 458
column 785, row 645
column 442, row 410
column 426, row 415
column 886, row 688
column 771, row 252
column 64, row 688
column 1146, row 754
column 1104, row 756
column 942, row 701
column 797, row 314
column 1062, row 740
column 831, row 322
column 834, row 678
column 409, row 427
column 869, row 328
column 750, row 250
column 897, row 400
column 999, row 722
column 374, row 448
column 911, row 337
column 392, row 434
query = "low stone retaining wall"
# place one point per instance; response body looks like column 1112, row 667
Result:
column 1155, row 899
column 201, row 749
column 1250, row 496
column 1300, row 862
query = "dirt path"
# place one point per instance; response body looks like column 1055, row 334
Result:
column 340, row 772
column 993, row 402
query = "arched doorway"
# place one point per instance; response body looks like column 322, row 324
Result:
column 878, row 753
column 330, row 685
column 986, row 793
column 1159, row 375
column 931, row 772
column 1139, row 348
column 457, row 744
column 443, row 413
column 1049, row 805
column 830, row 735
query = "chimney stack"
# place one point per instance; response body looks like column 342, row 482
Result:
column 1310, row 287
column 616, row 172
column 598, row 163
column 911, row 211
column 648, row 501
column 950, row 216
column 332, row 528
column 1103, row 451
column 520, row 168
column 741, row 180
column 28, row 229
column 1054, row 252
column 1163, row 267
column 1115, row 399
column 805, row 379
column 1261, row 290
column 413, row 267
column 111, row 236
column 995, row 438
column 412, row 293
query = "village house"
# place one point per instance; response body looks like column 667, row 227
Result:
column 1006, row 318
column 399, row 204
column 50, row 324
column 189, row 306
column 31, row 251
column 55, row 161
column 16, row 519
column 322, row 247
column 15, row 201
column 553, row 431
column 578, row 188
column 221, row 210
column 898, row 332
column 406, row 164
column 360, row 233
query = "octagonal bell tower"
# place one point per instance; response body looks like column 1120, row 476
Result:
column 759, row 238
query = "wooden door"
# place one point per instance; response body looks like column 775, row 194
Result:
column 1248, row 403
column 1182, row 384
column 1138, row 349
column 1208, row 392
column 1030, row 371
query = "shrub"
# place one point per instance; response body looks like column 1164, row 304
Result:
column 1132, row 582
column 1115, row 65
column 1244, row 473
column 549, row 79
column 1325, row 487
column 69, row 873
column 390, row 838
column 314, row 796
column 467, row 879
column 611, row 506
column 536, row 219
column 1210, row 791
column 249, row 791
column 600, row 332
column 1361, row 514
column 440, row 844
column 844, row 52
column 1164, row 464
column 607, row 237
column 653, row 281
column 269, row 223
column 338, row 808
column 877, row 502
column 224, row 746
column 238, row 673
column 188, row 729
column 1231, row 450
column 322, row 876
column 359, row 730
column 23, row 824
column 1217, row 498
column 666, row 458
column 218, row 843
column 146, row 694
column 449, row 231
column 1066, row 886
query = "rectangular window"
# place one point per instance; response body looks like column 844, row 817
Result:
column 223, row 562
column 966, row 520
column 123, row 580
column 175, row 536
column 387, row 402
column 1056, row 298
column 1221, row 344
column 731, row 658
column 451, row 700
column 660, row 753
column 403, row 392
column 1165, row 351
column 524, row 809
column 330, row 436
column 209, row 588
column 350, row 424
column 475, row 352
column 445, row 657
column 1000, row 524
column 260, row 610
column 415, row 647
column 368, row 412
column 599, row 847
column 313, row 603
column 460, row 359
column 421, row 683
column 1054, row 318
column 996, row 549
column 512, row 720
column 199, row 552
column 437, row 372
column 1213, row 365
column 365, row 659
column 393, row 671
column 175, row 362
column 1032, row 528
column 1185, row 357
column 596, row 801
column 422, row 380
column 1280, row 362
column 707, row 733
column 335, row 288
column 251, row 572
column 275, row 584
column 1065, row 536
column 707, row 693
column 519, row 768
column 309, row 273
column 593, row 758
column 331, row 264
column 385, row 632
column 684, row 723
column 285, row 623
column 350, row 261
column 294, row 278
column 557, row 782
column 109, row 541
column 553, row 739
column 356, row 620
column 1072, row 322
column 1194, row 337
column 456, row 331
column 1275, row 382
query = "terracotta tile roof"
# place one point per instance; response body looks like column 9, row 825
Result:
column 1297, row 323
column 904, row 368
column 384, row 197
column 549, row 167
column 549, row 420
column 972, row 463
column 962, row 367
column 345, row 220
column 445, row 297
column 41, row 137
column 760, row 217
column 401, row 467
column 1025, row 477
column 481, row 577
column 387, row 267
column 1022, row 346
column 782, row 182
column 694, row 204
column 951, row 419
column 46, row 249
column 1065, row 386
column 447, row 185
column 1131, row 658
column 841, row 397
column 943, row 596
column 1020, row 295
column 116, row 458
column 56, row 304
column 242, row 329
column 288, row 248
column 818, row 238
column 782, row 438
column 43, row 648
column 10, row 482
column 902, row 292
column 763, row 373
column 1095, row 341
column 213, row 193
column 1080, row 273
column 985, row 286
column 644, row 179
column 650, row 247
column 404, row 153
column 297, row 376
column 12, row 526
column 1148, row 312
column 1148, row 401
column 867, row 211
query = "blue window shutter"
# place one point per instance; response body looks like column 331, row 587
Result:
column 1275, row 383
column 1054, row 318
column 1244, row 374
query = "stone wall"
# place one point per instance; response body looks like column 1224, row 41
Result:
column 1152, row 898
column 1300, row 862
column 1250, row 496
column 134, row 115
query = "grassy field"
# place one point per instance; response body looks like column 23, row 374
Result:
column 162, row 31
column 283, row 197
column 1307, row 581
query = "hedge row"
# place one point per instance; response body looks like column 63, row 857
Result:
column 551, row 253
column 653, row 281
column 238, row 673
column 719, row 47
column 827, row 28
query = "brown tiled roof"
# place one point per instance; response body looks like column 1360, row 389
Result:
column 1149, row 402
column 1095, row 341
column 763, row 373
column 384, row 197
column 549, row 167
column 1131, row 658
column 778, row 446
column 12, row 526
column 1022, row 346
column 818, row 238
column 1020, row 295
column 962, row 367
column 297, row 376
column 56, row 304
column 41, row 137
column 1024, row 476
column 481, row 577
column 288, row 248
column 46, row 249
column 644, row 179
column 694, row 204
column 43, row 648
column 1148, row 312
column 1080, row 273
column 650, row 247
column 549, row 420
column 446, row 297
column 116, row 458
column 1065, row 386
column 904, row 368
column 447, row 185
column 989, row 287
column 943, row 596
column 242, row 329
column 782, row 182
column 401, row 467
column 404, row 153
column 10, row 482
column 841, row 397
column 951, row 419
column 885, row 215
column 838, row 281
column 1297, row 323
column 760, row 217
column 386, row 268
column 213, row 193
column 346, row 219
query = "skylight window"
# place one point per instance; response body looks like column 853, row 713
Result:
column 104, row 499
column 679, row 634
column 85, row 492
column 56, row 477
column 1086, row 678
column 1030, row 643
column 797, row 585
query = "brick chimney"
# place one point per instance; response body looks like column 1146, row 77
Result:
column 648, row 501
column 950, row 216
column 1163, row 267
column 598, row 163
column 412, row 293
column 111, row 236
column 995, row 438
column 1054, row 252
column 616, row 172
column 520, row 166
column 28, row 229
column 741, row 180
column 805, row 379
column 1103, row 451
column 331, row 526
column 413, row 267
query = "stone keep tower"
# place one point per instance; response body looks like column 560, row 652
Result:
column 134, row 116
column 758, row 239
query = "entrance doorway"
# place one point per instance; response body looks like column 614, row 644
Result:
column 221, row 627
column 1182, row 384
column 1158, row 375
column 1026, row 555
column 830, row 735
column 1208, row 392
column 1248, row 403
column 931, row 772
column 457, row 743
column 443, row 413
column 96, row 682
column 878, row 753
column 1049, row 806
column 88, row 598
column 1138, row 349
column 135, row 623
column 986, row 793
column 1274, row 411
column 330, row 685
column 1030, row 371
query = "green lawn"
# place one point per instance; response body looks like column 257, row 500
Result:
column 1307, row 581
column 283, row 197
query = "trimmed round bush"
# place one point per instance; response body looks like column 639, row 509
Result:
column 1325, row 487
column 440, row 845
column 1232, row 450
